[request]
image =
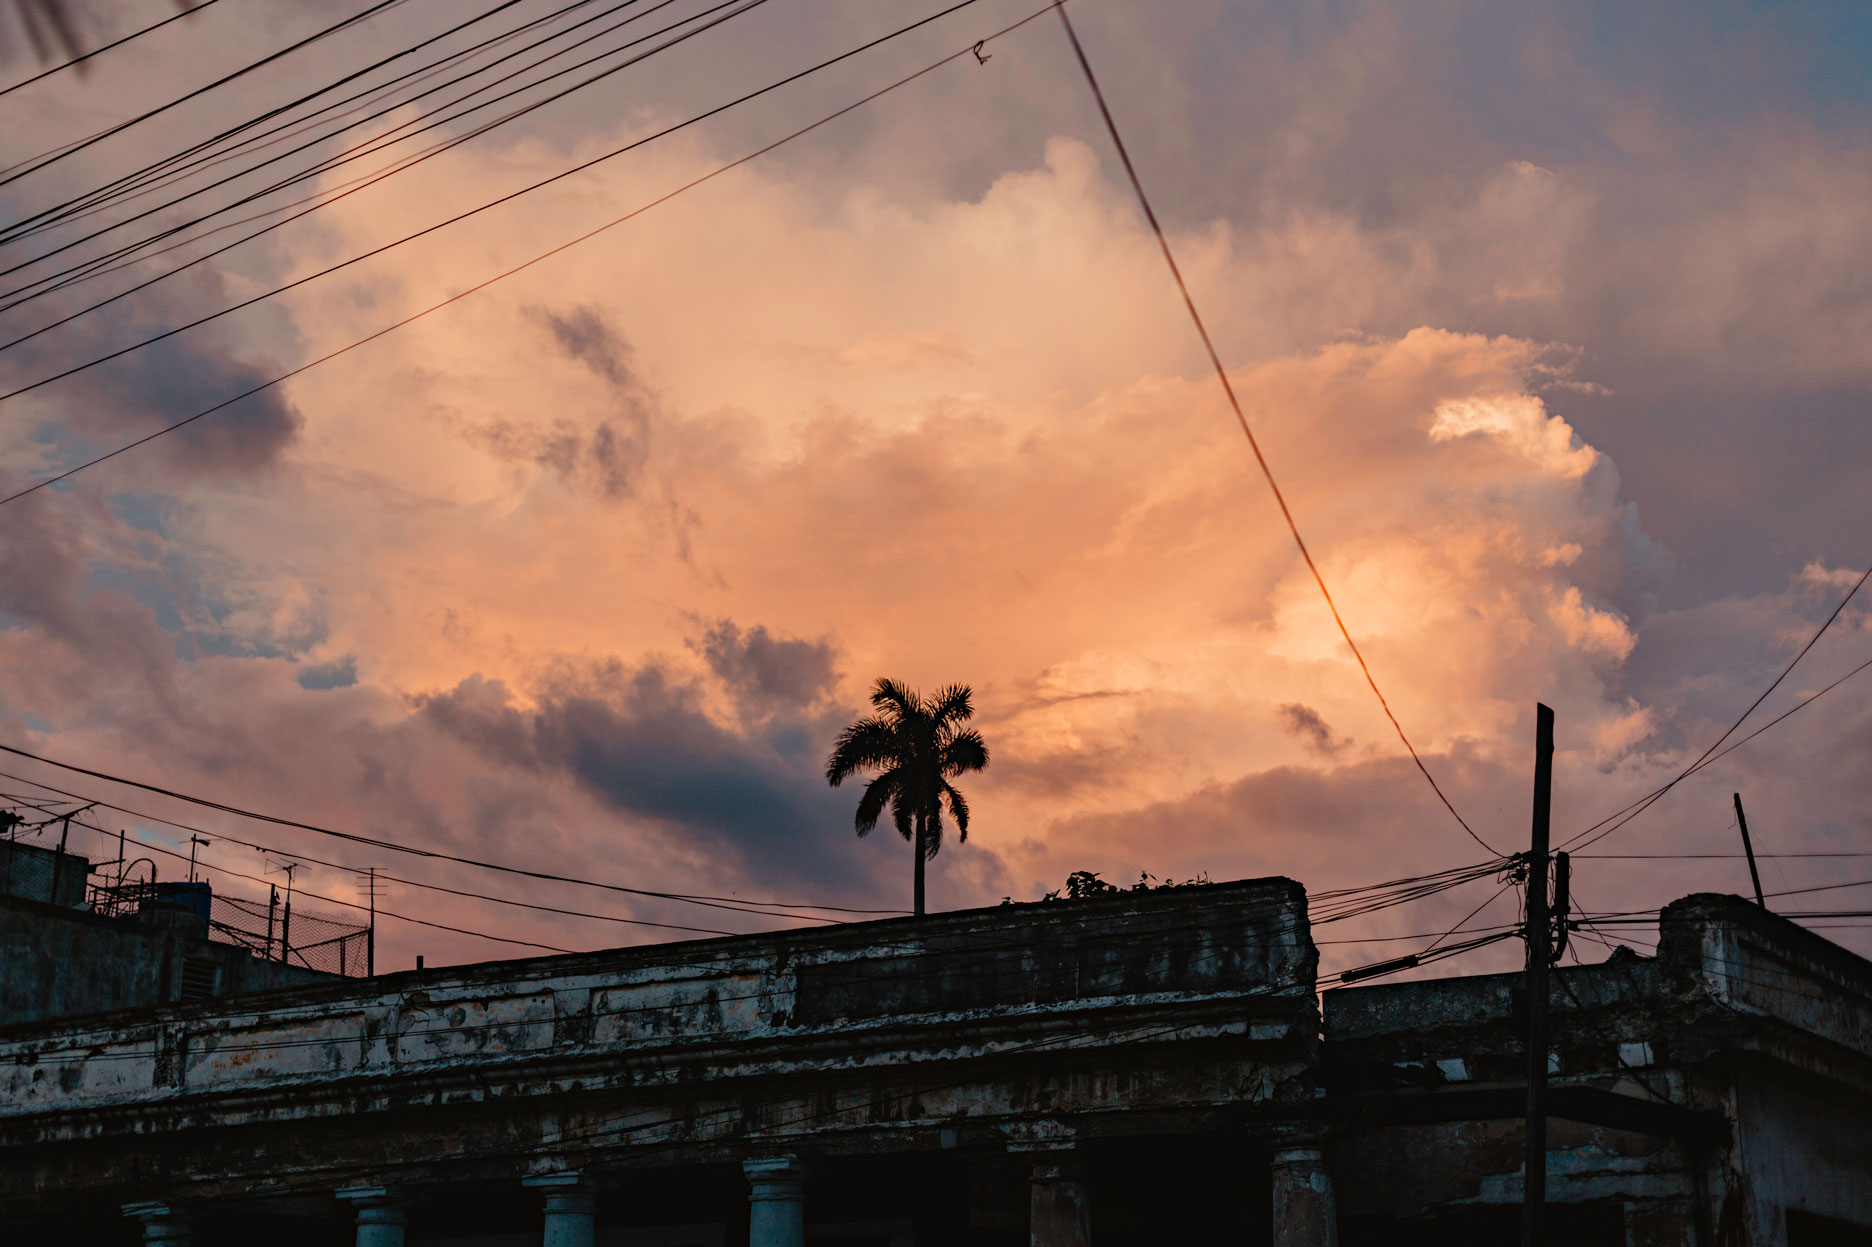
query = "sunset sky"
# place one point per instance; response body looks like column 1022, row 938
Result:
column 1554, row 322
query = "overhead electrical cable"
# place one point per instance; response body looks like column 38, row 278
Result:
column 189, row 11
column 385, row 877
column 1606, row 826
column 58, row 154
column 356, row 152
column 745, row 6
column 251, row 122
column 379, row 142
column 90, row 267
column 332, row 900
column 714, row 902
column 208, row 153
column 1254, row 444
column 501, row 276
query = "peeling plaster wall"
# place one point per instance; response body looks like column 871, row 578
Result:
column 1085, row 1015
column 1741, row 1014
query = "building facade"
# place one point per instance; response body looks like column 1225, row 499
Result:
column 1141, row 1069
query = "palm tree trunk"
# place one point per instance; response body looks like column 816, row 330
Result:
column 922, row 831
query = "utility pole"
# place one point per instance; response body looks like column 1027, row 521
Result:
column 1534, row 1183
column 194, row 841
column 272, row 908
column 286, row 913
column 1742, row 822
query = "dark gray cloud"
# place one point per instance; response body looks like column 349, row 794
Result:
column 339, row 673
column 157, row 386
column 584, row 334
column 766, row 673
column 608, row 458
column 1306, row 723
column 640, row 740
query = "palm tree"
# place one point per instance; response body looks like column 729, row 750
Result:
column 916, row 746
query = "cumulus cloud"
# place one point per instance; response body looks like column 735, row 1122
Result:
column 950, row 425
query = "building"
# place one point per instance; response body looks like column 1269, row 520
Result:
column 1148, row 1068
column 70, row 946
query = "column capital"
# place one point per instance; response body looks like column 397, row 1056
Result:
column 1299, row 1138
column 561, row 1180
column 375, row 1204
column 775, row 1174
column 163, row 1223
column 567, row 1191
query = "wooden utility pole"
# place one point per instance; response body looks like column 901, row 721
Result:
column 1534, row 1186
column 1749, row 849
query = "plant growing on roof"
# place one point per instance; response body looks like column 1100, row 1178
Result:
column 916, row 746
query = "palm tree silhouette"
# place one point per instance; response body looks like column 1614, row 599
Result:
column 916, row 746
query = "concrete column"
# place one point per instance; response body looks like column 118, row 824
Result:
column 571, row 1208
column 163, row 1224
column 1304, row 1212
column 1059, row 1210
column 380, row 1214
column 776, row 1202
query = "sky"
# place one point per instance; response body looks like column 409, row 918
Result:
column 1553, row 323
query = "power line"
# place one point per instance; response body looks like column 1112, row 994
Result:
column 518, row 268
column 1202, row 330
column 1644, row 803
column 332, row 900
column 190, row 11
column 462, row 216
column 51, row 158
column 171, row 168
column 115, row 261
column 369, row 147
column 713, row 902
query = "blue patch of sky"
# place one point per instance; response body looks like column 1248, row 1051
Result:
column 140, row 511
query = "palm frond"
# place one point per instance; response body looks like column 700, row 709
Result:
column 895, row 695
column 903, row 811
column 877, row 794
column 869, row 742
column 958, row 806
column 953, row 704
column 965, row 751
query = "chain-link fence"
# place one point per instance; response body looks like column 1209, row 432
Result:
column 293, row 934
column 271, row 929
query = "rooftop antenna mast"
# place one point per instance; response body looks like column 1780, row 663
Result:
column 194, row 842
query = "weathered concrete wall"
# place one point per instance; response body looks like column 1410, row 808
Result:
column 1742, row 1017
column 41, row 874
column 1033, row 1024
column 58, row 962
